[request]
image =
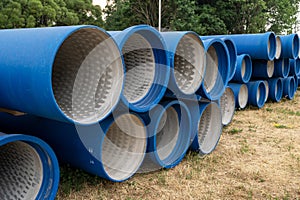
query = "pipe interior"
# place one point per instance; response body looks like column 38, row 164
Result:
column 278, row 47
column 21, row 171
column 167, row 133
column 243, row 96
column 209, row 128
column 297, row 66
column 227, row 104
column 189, row 63
column 124, row 147
column 243, row 68
column 285, row 67
column 267, row 90
column 278, row 89
column 295, row 46
column 272, row 46
column 140, row 67
column 87, row 75
column 270, row 68
column 212, row 71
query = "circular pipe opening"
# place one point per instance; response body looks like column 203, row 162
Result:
column 243, row 69
column 295, row 45
column 246, row 70
column 278, row 90
column 271, row 46
column 297, row 66
column 278, row 47
column 232, row 55
column 209, row 128
column 87, row 76
column 211, row 73
column 270, row 68
column 124, row 147
column 267, row 90
column 292, row 89
column 189, row 63
column 261, row 94
column 243, row 96
column 227, row 104
column 21, row 171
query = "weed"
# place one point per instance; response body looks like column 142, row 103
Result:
column 235, row 131
column 281, row 126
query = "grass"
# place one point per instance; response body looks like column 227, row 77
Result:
column 258, row 157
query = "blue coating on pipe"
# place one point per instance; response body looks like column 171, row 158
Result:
column 275, row 89
column 281, row 67
column 296, row 83
column 257, row 93
column 243, row 75
column 289, row 46
column 152, row 121
column 236, row 88
column 289, row 87
column 223, row 70
column 26, row 64
column 260, row 69
column 294, row 67
column 50, row 176
column 162, row 66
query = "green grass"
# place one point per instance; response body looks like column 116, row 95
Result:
column 235, row 131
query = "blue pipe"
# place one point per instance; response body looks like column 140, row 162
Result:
column 281, row 67
column 41, row 67
column 28, row 168
column 267, row 90
column 113, row 149
column 262, row 69
column 227, row 106
column 188, row 62
column 278, row 47
column 257, row 93
column 290, row 46
column 275, row 89
column 296, row 83
column 147, row 67
column 289, row 87
column 294, row 67
column 206, row 126
column 169, row 128
column 243, row 69
column 217, row 70
column 240, row 92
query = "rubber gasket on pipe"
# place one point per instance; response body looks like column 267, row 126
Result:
column 217, row 69
column 206, row 126
column 289, row 87
column 290, row 46
column 227, row 105
column 240, row 92
column 278, row 47
column 243, row 69
column 257, row 93
column 262, row 69
column 169, row 128
column 294, row 67
column 77, row 71
column 281, row 67
column 275, row 89
column 28, row 168
column 147, row 66
column 114, row 149
column 187, row 60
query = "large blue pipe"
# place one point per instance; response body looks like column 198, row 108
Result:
column 188, row 63
column 76, row 71
column 296, row 83
column 113, row 149
column 257, row 93
column 289, row 87
column 217, row 69
column 147, row 66
column 243, row 69
column 262, row 69
column 290, row 46
column 281, row 67
column 275, row 89
column 28, row 168
column 169, row 128
column 294, row 67
column 278, row 47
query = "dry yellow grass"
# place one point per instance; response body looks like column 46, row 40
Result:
column 258, row 157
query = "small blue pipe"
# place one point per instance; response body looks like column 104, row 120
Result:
column 275, row 89
column 281, row 67
column 240, row 92
column 50, row 168
column 294, row 67
column 221, row 73
column 162, row 66
column 289, row 87
column 262, row 69
column 257, row 93
column 290, row 46
column 243, row 69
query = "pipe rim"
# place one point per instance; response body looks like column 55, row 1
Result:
column 270, row 68
column 243, row 96
column 246, row 68
column 271, row 46
column 278, row 90
column 286, row 64
column 278, row 47
column 295, row 45
column 267, row 90
column 260, row 94
column 232, row 55
column 227, row 105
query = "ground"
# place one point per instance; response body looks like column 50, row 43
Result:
column 258, row 157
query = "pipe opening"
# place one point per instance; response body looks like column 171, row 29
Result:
column 270, row 68
column 21, row 171
column 267, row 90
column 140, row 67
column 227, row 104
column 286, row 67
column 212, row 71
column 209, row 128
column 297, row 66
column 295, row 45
column 261, row 94
column 243, row 68
column 271, row 46
column 87, row 76
column 232, row 55
column 278, row 89
column 243, row 96
column 189, row 63
column 167, row 133
column 124, row 147
column 278, row 47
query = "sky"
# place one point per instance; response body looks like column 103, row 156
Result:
column 102, row 3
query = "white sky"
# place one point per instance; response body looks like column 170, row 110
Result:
column 102, row 3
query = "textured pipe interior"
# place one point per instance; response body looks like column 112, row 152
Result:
column 278, row 47
column 167, row 133
column 227, row 104
column 243, row 96
column 212, row 69
column 124, row 147
column 243, row 68
column 209, row 128
column 189, row 64
column 87, row 75
column 267, row 90
column 270, row 68
column 140, row 67
column 21, row 171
